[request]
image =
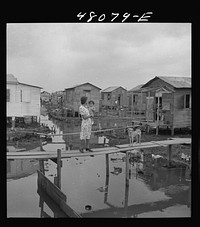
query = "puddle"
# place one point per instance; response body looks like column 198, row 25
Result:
column 149, row 191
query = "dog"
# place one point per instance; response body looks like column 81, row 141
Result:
column 132, row 134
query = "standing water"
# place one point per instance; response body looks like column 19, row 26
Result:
column 150, row 192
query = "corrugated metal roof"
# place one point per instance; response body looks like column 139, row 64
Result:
column 110, row 89
column 177, row 82
column 11, row 79
column 137, row 88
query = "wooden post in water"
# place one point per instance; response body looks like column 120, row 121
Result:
column 106, row 189
column 169, row 155
column 127, row 167
column 41, row 166
column 107, row 165
column 126, row 185
column 41, row 147
column 126, row 198
column 59, row 165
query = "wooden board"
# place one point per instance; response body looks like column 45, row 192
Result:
column 56, row 194
column 97, row 151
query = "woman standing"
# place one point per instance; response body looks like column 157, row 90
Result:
column 86, row 125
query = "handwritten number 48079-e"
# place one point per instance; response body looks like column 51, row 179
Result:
column 114, row 16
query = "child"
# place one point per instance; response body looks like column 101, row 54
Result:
column 91, row 109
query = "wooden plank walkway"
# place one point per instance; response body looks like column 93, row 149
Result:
column 96, row 151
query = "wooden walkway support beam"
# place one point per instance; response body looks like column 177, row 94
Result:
column 58, row 161
column 41, row 166
column 107, row 164
column 127, row 167
column 59, row 165
column 169, row 155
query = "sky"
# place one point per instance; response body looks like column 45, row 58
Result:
column 56, row 56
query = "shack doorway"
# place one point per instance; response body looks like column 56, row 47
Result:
column 119, row 100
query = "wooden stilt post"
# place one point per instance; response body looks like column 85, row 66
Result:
column 169, row 155
column 106, row 188
column 59, row 165
column 126, row 198
column 13, row 122
column 107, row 165
column 41, row 147
column 172, row 131
column 41, row 166
column 127, row 167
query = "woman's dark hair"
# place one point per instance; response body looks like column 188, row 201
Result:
column 91, row 101
column 83, row 100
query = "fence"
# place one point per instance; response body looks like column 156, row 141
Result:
column 139, row 114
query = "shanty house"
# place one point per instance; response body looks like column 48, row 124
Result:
column 57, row 98
column 72, row 96
column 170, row 99
column 136, row 99
column 45, row 96
column 114, row 97
column 22, row 100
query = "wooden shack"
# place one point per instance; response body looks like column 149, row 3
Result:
column 169, row 98
column 45, row 96
column 22, row 101
column 57, row 99
column 114, row 97
column 136, row 99
column 72, row 97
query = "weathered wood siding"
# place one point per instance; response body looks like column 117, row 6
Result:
column 72, row 97
column 182, row 115
column 114, row 97
column 24, row 101
column 140, row 101
column 167, row 107
column 173, row 105
column 182, row 118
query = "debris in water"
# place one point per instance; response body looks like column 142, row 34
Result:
column 88, row 207
column 117, row 170
column 102, row 189
column 156, row 156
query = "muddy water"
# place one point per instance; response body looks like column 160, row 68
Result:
column 152, row 193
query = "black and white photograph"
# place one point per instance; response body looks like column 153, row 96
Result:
column 98, row 118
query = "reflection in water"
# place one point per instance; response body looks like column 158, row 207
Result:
column 73, row 141
column 85, row 182
column 21, row 168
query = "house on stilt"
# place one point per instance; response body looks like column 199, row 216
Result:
column 168, row 102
